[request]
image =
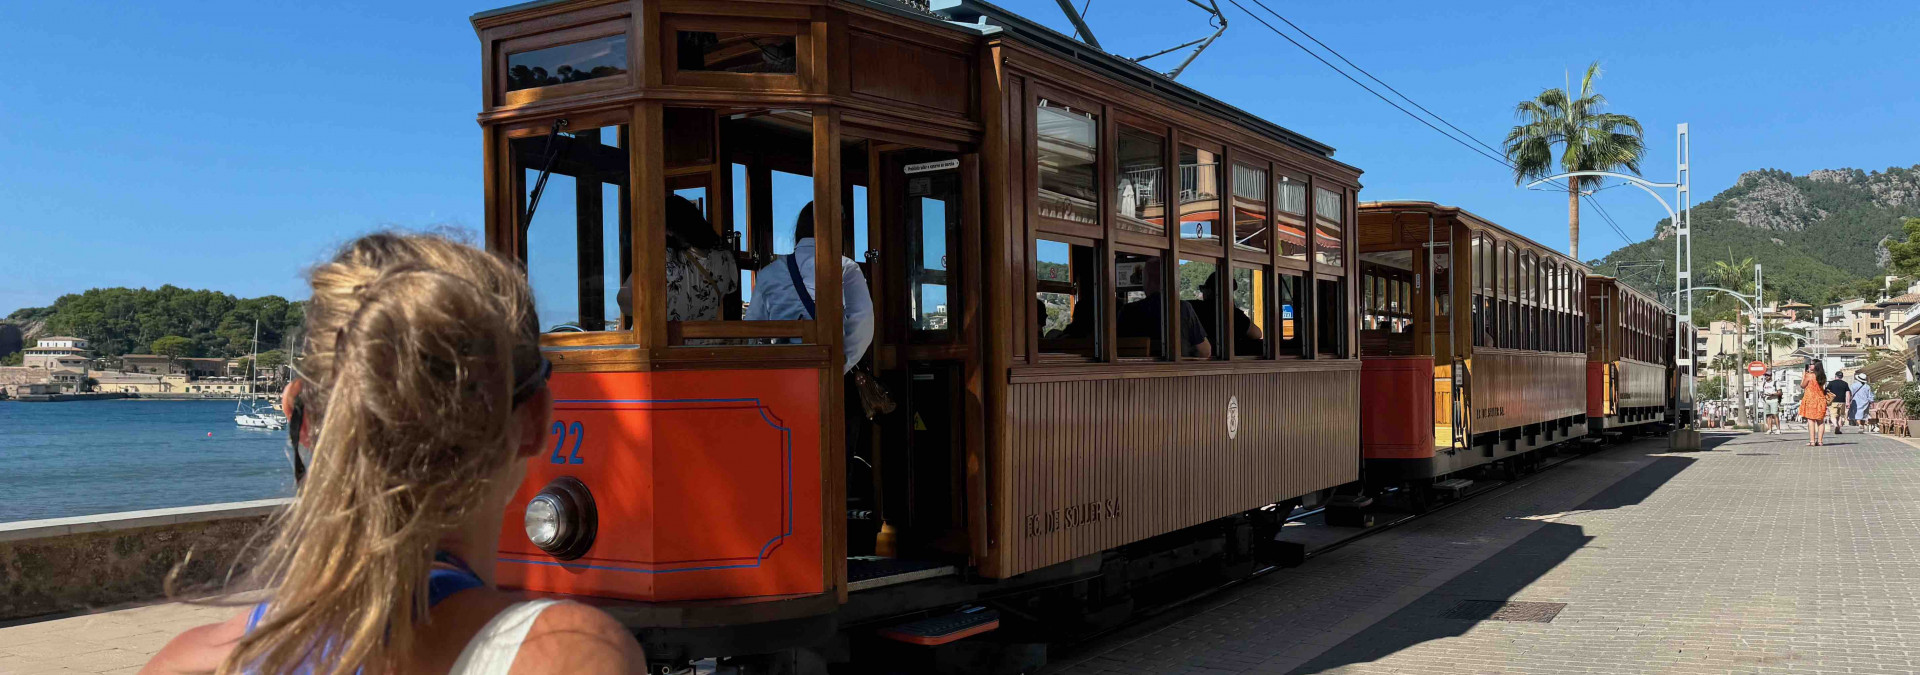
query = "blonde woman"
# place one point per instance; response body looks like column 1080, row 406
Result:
column 421, row 395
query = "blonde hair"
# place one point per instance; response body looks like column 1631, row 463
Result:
column 412, row 347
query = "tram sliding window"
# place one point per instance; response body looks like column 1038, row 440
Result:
column 1290, row 223
column 1142, row 205
column 1251, row 229
column 1329, row 211
column 1250, row 323
column 571, row 62
column 1199, row 194
column 1067, row 288
column 1329, row 317
column 1067, row 146
column 1200, row 293
column 1140, row 314
column 575, row 245
column 1290, row 341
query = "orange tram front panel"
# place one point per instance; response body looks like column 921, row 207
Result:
column 706, row 483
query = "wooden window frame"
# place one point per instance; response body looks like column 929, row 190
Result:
column 1303, row 220
column 586, row 24
column 1036, row 92
column 1199, row 247
column 1121, row 118
column 1169, row 293
column 1103, row 334
column 1238, row 158
column 802, row 79
column 1268, row 308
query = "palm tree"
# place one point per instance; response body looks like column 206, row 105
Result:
column 1589, row 140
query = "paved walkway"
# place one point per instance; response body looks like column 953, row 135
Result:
column 1760, row 556
column 108, row 642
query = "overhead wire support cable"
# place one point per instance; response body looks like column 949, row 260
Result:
column 1587, row 195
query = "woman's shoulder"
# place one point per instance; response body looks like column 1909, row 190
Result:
column 569, row 637
column 198, row 650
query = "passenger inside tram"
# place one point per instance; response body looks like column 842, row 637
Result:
column 701, row 270
column 1248, row 339
column 776, row 296
column 1141, row 313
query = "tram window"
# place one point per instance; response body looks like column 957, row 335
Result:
column 1287, row 291
column 575, row 244
column 1142, row 203
column 1251, row 229
column 1529, row 332
column 1067, row 286
column 571, row 62
column 1141, row 311
column 933, row 215
column 1290, row 200
column 1199, row 284
column 1249, row 322
column 735, row 52
column 1329, row 211
column 1066, row 149
column 1442, row 283
column 1199, row 194
column 1482, row 267
column 1329, row 317
column 1510, row 278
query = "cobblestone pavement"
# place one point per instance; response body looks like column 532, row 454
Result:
column 1762, row 555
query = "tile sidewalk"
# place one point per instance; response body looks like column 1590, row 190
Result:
column 1760, row 556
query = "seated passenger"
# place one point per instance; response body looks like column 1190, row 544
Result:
column 1144, row 317
column 775, row 298
column 1248, row 339
column 701, row 271
column 422, row 396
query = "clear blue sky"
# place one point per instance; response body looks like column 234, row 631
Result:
column 228, row 145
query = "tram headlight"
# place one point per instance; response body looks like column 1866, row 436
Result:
column 561, row 519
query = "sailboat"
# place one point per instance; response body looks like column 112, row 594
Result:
column 248, row 412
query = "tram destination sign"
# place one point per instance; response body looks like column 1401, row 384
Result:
column 941, row 165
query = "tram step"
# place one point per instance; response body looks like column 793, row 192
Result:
column 940, row 630
column 1453, row 486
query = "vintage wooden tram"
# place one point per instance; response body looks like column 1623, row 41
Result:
column 1631, row 381
column 1117, row 315
column 1473, row 336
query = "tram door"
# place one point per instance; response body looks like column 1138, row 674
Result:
column 923, row 350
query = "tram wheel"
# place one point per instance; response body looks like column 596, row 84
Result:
column 1419, row 497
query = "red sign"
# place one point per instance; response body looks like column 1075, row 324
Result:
column 1756, row 369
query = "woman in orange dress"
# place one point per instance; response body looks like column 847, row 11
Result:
column 1813, row 402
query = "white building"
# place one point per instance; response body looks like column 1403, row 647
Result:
column 57, row 353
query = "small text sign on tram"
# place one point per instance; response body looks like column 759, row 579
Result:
column 1756, row 369
column 941, row 165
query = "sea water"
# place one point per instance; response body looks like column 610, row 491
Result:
column 79, row 458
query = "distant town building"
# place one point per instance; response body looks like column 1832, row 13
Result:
column 57, row 353
column 1868, row 325
column 1837, row 312
column 1897, row 309
column 154, row 364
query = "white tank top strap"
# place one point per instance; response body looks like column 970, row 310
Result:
column 491, row 651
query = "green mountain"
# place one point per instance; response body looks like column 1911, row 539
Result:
column 129, row 320
column 1818, row 237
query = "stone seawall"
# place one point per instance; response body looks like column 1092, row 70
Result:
column 90, row 562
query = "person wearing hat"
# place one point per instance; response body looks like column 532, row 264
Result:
column 1861, row 396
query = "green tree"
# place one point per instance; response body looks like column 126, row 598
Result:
column 13, row 359
column 1713, row 388
column 173, row 347
column 1906, row 254
column 1589, row 140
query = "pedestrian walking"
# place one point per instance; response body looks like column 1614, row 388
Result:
column 1838, row 393
column 1860, row 396
column 1813, row 402
column 1770, row 400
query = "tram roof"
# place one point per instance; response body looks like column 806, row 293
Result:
column 1482, row 222
column 981, row 18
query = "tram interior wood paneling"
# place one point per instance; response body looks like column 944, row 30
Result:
column 1128, row 328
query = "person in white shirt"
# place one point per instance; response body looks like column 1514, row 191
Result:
column 1770, row 394
column 775, row 297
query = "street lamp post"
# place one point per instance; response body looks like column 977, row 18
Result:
column 1682, row 243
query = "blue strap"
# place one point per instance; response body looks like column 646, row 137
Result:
column 799, row 285
column 442, row 583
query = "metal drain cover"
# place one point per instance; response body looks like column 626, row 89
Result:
column 1498, row 610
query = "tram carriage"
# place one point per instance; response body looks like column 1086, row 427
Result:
column 1116, row 314
column 1632, row 385
column 1472, row 335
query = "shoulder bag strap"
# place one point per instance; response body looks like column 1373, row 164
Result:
column 800, row 285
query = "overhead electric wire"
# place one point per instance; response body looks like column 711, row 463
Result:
column 1588, row 196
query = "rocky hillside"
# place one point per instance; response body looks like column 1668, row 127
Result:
column 1817, row 236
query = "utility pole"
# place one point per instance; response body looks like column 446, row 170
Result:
column 1760, row 351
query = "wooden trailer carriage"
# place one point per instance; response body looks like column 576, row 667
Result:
column 1631, row 378
column 1038, row 279
column 1473, row 340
